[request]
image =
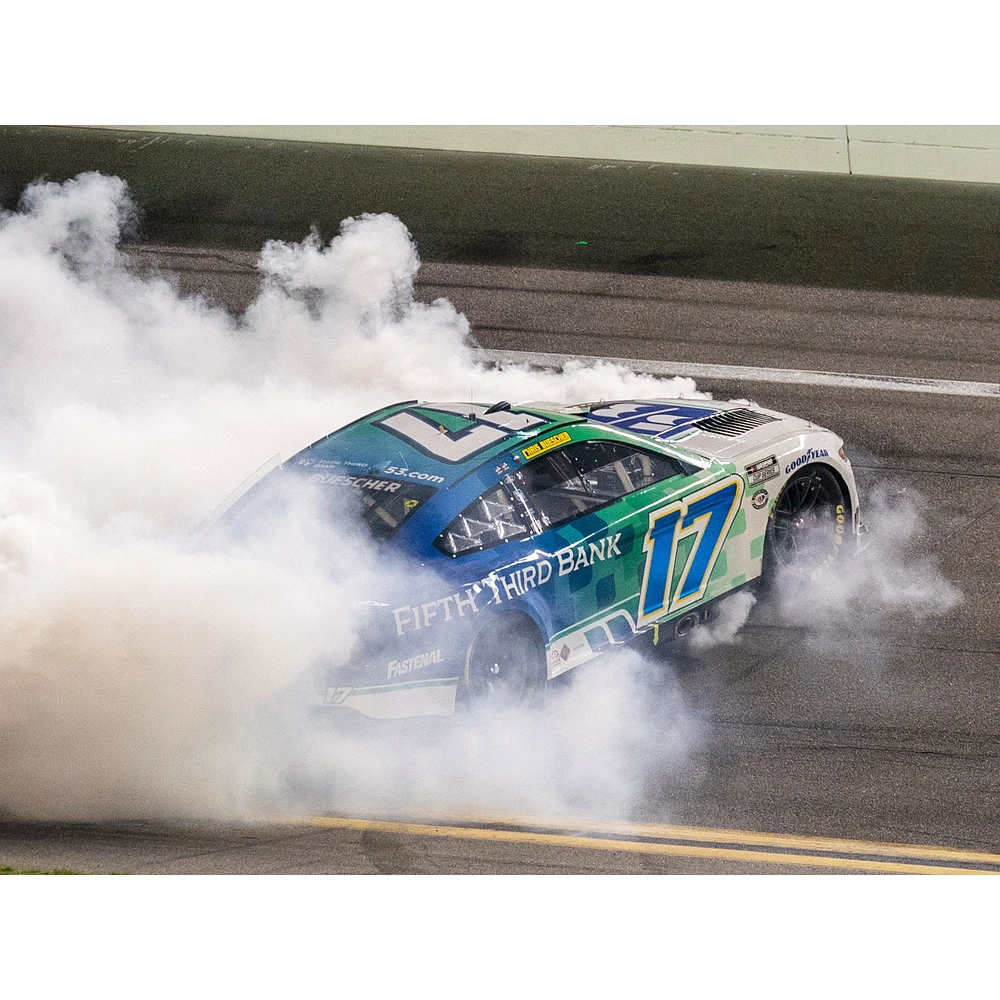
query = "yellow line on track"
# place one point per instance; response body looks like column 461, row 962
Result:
column 692, row 850
column 755, row 838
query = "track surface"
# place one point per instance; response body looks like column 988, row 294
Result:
column 886, row 733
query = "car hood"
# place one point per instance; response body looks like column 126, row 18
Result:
column 741, row 429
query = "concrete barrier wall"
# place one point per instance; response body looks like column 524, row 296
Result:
column 798, row 147
column 934, row 152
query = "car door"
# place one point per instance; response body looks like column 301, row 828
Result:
column 589, row 504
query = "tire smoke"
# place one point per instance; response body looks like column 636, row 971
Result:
column 139, row 672
column 889, row 580
column 142, row 674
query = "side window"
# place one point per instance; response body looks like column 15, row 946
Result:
column 554, row 489
column 489, row 520
column 619, row 468
column 589, row 474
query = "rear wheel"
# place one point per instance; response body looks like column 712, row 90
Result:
column 807, row 527
column 504, row 666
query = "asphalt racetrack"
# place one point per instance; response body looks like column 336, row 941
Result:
column 815, row 756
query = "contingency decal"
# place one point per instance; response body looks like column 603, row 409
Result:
column 575, row 647
column 706, row 517
column 399, row 667
column 407, row 473
column 809, row 456
column 762, row 471
column 658, row 420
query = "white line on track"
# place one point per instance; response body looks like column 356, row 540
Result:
column 893, row 383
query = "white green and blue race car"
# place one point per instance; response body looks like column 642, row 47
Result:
column 543, row 535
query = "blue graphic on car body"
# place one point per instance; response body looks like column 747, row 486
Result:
column 656, row 420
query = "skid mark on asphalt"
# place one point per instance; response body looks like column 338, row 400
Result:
column 966, row 525
column 690, row 842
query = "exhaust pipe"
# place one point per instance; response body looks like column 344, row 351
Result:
column 685, row 623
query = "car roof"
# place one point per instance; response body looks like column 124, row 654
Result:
column 440, row 440
column 443, row 442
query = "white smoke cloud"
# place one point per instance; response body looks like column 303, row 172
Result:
column 141, row 675
column 588, row 748
column 130, row 398
column 138, row 673
column 728, row 619
column 889, row 579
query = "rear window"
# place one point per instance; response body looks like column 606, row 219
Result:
column 490, row 519
column 381, row 504
column 384, row 504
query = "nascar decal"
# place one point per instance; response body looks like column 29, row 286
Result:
column 336, row 696
column 567, row 560
column 762, row 471
column 412, row 619
column 705, row 516
column 358, row 482
column 498, row 588
column 575, row 557
column 807, row 457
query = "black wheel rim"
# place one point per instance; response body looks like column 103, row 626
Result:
column 805, row 520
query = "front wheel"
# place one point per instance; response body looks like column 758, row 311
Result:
column 504, row 666
column 807, row 527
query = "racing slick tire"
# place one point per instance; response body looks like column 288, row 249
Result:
column 808, row 524
column 504, row 666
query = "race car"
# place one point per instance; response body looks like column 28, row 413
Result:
column 538, row 536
